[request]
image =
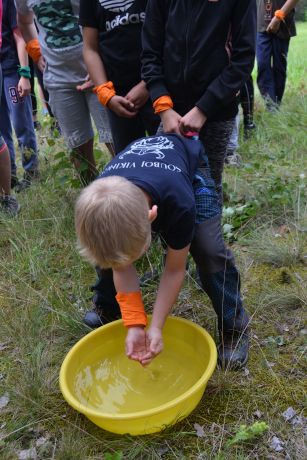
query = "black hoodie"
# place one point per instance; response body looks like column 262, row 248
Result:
column 200, row 52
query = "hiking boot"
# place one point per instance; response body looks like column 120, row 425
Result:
column 233, row 350
column 233, row 159
column 98, row 316
column 9, row 205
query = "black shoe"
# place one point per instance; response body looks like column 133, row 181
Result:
column 233, row 350
column 14, row 181
column 98, row 317
column 93, row 319
column 9, row 205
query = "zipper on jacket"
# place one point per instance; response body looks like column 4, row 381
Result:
column 187, row 54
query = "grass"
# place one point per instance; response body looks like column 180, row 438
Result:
column 44, row 290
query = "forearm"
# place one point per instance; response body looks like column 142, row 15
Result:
column 26, row 26
column 94, row 66
column 169, row 288
column 288, row 6
column 126, row 279
column 21, row 50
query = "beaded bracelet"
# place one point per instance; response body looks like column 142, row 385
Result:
column 24, row 71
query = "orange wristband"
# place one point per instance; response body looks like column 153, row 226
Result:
column 132, row 308
column 105, row 92
column 163, row 103
column 279, row 14
column 34, row 50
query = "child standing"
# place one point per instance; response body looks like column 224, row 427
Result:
column 112, row 49
column 196, row 56
column 154, row 183
column 16, row 106
column 8, row 203
column 59, row 53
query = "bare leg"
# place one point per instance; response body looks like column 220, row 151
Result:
column 84, row 162
column 5, row 171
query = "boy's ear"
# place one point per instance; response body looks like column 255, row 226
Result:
column 152, row 213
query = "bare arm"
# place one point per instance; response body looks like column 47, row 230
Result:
column 24, row 86
column 26, row 26
column 28, row 31
column 274, row 25
column 170, row 285
column 120, row 105
column 92, row 57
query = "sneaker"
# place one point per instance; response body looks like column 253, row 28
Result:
column 233, row 159
column 9, row 205
column 233, row 350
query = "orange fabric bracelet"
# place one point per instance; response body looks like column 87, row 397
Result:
column 279, row 14
column 34, row 50
column 105, row 92
column 163, row 103
column 132, row 308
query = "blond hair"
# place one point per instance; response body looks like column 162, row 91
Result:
column 112, row 224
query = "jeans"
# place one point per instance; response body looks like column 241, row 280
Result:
column 272, row 66
column 17, row 111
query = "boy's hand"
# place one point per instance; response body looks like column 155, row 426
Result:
column 41, row 64
column 136, row 344
column 274, row 25
column 88, row 84
column 138, row 95
column 170, row 120
column 192, row 121
column 154, row 343
column 24, row 87
column 122, row 107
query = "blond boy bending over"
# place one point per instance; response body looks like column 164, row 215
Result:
column 152, row 185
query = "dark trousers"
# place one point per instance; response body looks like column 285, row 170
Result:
column 246, row 99
column 127, row 130
column 272, row 55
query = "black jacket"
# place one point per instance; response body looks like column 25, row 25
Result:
column 199, row 52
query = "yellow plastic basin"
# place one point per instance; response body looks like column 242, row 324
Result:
column 121, row 396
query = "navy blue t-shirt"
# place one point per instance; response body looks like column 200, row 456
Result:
column 164, row 167
column 8, row 54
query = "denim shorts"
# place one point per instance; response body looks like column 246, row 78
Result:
column 73, row 110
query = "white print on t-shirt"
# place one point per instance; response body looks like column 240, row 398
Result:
column 124, row 19
column 116, row 5
column 144, row 164
column 150, row 145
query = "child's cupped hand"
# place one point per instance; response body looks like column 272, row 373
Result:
column 122, row 107
column 143, row 346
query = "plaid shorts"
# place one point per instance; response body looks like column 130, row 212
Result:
column 206, row 198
